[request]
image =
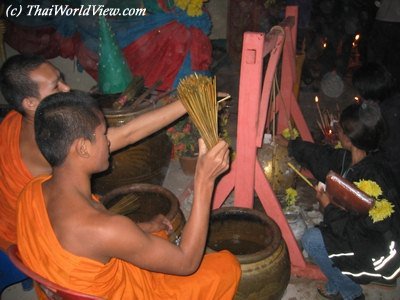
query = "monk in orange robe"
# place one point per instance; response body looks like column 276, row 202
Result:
column 24, row 82
column 71, row 239
column 14, row 177
column 216, row 277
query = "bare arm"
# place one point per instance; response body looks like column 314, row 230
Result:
column 144, row 125
column 125, row 240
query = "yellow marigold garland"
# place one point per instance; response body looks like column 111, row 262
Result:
column 371, row 188
column 192, row 7
column 381, row 210
column 291, row 196
column 290, row 135
column 338, row 145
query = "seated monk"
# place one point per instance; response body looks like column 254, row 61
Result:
column 24, row 82
column 68, row 237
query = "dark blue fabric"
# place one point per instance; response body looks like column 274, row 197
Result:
column 9, row 274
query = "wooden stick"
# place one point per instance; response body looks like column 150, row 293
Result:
column 143, row 96
column 223, row 99
column 301, row 175
column 162, row 95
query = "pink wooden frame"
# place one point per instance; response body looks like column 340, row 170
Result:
column 246, row 174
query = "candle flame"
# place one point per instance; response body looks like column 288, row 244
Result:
column 324, row 44
column 356, row 99
column 357, row 37
column 316, row 99
column 330, row 131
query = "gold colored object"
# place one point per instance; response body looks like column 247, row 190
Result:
column 146, row 161
column 256, row 241
column 198, row 93
column 274, row 160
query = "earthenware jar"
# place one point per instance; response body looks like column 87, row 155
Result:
column 256, row 241
column 146, row 161
column 145, row 202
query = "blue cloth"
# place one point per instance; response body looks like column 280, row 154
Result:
column 126, row 30
column 10, row 275
column 313, row 243
column 186, row 70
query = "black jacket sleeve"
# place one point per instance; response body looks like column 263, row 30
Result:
column 319, row 159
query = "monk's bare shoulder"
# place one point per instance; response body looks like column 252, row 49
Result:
column 106, row 234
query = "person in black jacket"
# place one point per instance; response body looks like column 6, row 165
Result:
column 374, row 82
column 352, row 248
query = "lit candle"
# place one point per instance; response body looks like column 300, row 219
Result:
column 356, row 99
column 319, row 111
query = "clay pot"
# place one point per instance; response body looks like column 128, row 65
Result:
column 188, row 164
column 146, row 161
column 149, row 200
column 256, row 241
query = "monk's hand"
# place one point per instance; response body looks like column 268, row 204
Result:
column 212, row 163
column 158, row 223
column 322, row 196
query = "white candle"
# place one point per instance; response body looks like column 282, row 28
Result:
column 319, row 111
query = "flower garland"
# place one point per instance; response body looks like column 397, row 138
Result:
column 290, row 134
column 371, row 188
column 192, row 7
column 291, row 196
column 382, row 208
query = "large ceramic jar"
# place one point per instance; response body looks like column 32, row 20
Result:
column 146, row 161
column 256, row 241
column 145, row 202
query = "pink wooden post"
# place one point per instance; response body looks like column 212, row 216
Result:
column 246, row 174
column 286, row 100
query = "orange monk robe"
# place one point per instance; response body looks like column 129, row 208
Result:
column 14, row 175
column 217, row 278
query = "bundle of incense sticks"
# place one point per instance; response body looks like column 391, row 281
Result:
column 326, row 123
column 199, row 96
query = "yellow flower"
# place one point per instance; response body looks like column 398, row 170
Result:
column 371, row 188
column 291, row 196
column 192, row 7
column 290, row 135
column 338, row 145
column 381, row 210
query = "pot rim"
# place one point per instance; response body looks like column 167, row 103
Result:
column 144, row 187
column 265, row 219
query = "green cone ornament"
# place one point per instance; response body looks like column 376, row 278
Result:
column 114, row 73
